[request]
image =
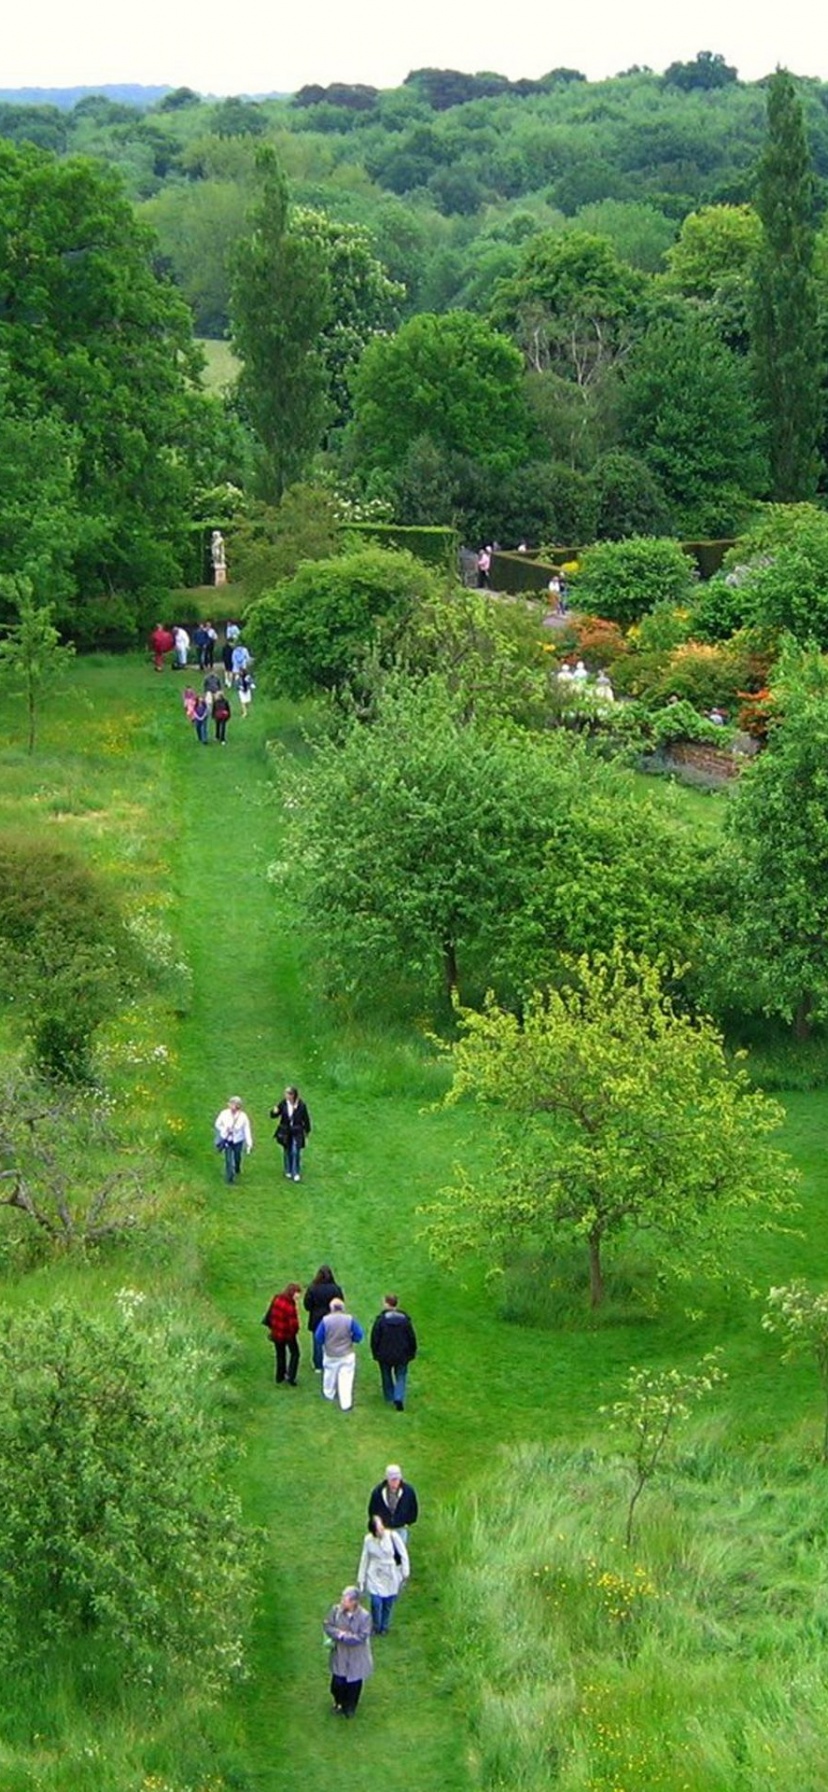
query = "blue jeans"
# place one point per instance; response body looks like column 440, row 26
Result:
column 381, row 1609
column 393, row 1380
column 292, row 1152
column 201, row 729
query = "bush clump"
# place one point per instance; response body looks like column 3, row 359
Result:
column 622, row 580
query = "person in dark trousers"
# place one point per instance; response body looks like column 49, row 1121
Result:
column 395, row 1502
column 292, row 1130
column 348, row 1627
column 317, row 1302
column 221, row 716
column 201, row 716
column 393, row 1346
column 282, row 1321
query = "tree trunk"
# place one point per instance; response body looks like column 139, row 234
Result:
column 450, row 970
column 802, row 1017
column 596, row 1276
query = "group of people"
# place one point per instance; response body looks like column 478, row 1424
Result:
column 383, row 1571
column 335, row 1334
column 577, row 678
column 233, row 1133
column 212, row 702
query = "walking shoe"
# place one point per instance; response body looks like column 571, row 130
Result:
column 399, row 1405
column 297, row 1178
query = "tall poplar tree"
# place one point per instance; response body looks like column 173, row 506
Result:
column 787, row 348
column 280, row 305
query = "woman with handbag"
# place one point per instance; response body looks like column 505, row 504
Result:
column 348, row 1632
column 292, row 1130
column 282, row 1321
column 383, row 1571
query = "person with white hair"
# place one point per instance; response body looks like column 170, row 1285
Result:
column 234, row 1137
column 336, row 1335
column 348, row 1631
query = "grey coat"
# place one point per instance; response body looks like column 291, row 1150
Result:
column 351, row 1658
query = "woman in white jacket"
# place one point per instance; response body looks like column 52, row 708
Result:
column 383, row 1570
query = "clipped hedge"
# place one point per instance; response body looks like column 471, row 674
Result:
column 436, row 546
column 708, row 555
column 519, row 574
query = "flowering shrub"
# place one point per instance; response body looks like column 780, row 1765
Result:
column 597, row 641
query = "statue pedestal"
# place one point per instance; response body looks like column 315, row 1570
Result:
column 220, row 575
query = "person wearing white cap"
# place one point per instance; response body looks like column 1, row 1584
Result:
column 233, row 1137
column 395, row 1502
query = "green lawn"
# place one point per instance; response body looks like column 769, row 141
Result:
column 192, row 832
column 222, row 366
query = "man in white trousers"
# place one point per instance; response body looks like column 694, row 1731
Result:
column 337, row 1334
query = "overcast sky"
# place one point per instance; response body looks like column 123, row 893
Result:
column 258, row 46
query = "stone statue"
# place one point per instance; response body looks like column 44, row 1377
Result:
column 218, row 558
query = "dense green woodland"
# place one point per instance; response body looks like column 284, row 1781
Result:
column 549, row 311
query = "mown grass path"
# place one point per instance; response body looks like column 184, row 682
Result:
column 303, row 1469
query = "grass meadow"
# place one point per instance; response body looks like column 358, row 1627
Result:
column 531, row 1650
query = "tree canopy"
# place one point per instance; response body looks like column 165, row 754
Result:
column 622, row 1113
column 93, row 342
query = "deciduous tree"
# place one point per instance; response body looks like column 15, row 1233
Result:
column 774, row 955
column 453, row 379
column 95, row 341
column 612, row 1111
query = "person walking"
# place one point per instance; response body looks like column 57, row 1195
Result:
column 317, row 1302
column 200, row 644
column 201, row 717
column 393, row 1346
column 245, row 688
column 383, row 1572
column 395, row 1502
column 282, row 1321
column 161, row 642
column 240, row 660
column 182, row 645
column 292, row 1131
column 227, row 662
column 337, row 1334
column 348, row 1628
column 234, row 1137
column 221, row 716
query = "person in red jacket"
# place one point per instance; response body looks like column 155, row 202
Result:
column 161, row 642
column 282, row 1321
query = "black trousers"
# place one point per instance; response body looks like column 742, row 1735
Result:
column 286, row 1349
column 345, row 1693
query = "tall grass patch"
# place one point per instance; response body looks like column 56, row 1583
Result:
column 693, row 1662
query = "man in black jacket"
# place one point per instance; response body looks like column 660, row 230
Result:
column 395, row 1502
column 393, row 1346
